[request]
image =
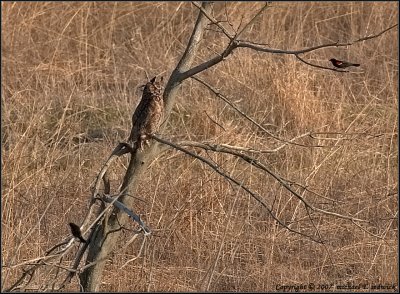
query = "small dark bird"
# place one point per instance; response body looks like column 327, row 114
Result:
column 76, row 232
column 342, row 64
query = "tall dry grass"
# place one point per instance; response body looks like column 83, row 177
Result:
column 72, row 70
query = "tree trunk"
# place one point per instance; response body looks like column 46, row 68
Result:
column 107, row 234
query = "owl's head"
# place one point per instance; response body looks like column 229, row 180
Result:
column 154, row 86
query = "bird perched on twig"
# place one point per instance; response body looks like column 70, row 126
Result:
column 148, row 115
column 76, row 232
column 342, row 64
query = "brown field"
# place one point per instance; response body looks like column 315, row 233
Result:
column 71, row 70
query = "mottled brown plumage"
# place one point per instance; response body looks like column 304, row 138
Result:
column 148, row 114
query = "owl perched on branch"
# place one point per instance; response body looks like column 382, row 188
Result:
column 148, row 115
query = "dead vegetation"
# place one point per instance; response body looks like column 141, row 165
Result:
column 70, row 77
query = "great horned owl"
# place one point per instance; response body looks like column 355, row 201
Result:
column 148, row 114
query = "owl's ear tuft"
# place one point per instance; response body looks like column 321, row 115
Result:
column 153, row 80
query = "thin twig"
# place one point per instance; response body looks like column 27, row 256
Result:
column 251, row 193
column 214, row 121
column 220, row 147
column 227, row 101
column 318, row 66
column 251, row 45
column 246, row 44
column 252, row 19
column 213, row 20
column 284, row 183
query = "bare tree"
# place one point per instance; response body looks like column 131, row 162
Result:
column 107, row 214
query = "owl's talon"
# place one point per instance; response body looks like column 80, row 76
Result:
column 148, row 143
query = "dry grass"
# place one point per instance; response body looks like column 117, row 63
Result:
column 70, row 69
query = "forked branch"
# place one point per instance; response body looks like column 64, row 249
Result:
column 235, row 43
column 236, row 182
column 259, row 165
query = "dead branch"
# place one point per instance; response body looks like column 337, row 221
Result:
column 132, row 215
column 220, row 147
column 233, row 106
column 251, row 45
column 213, row 21
column 44, row 261
column 106, row 235
column 255, row 162
column 104, row 229
column 246, row 44
column 319, row 66
column 236, row 182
